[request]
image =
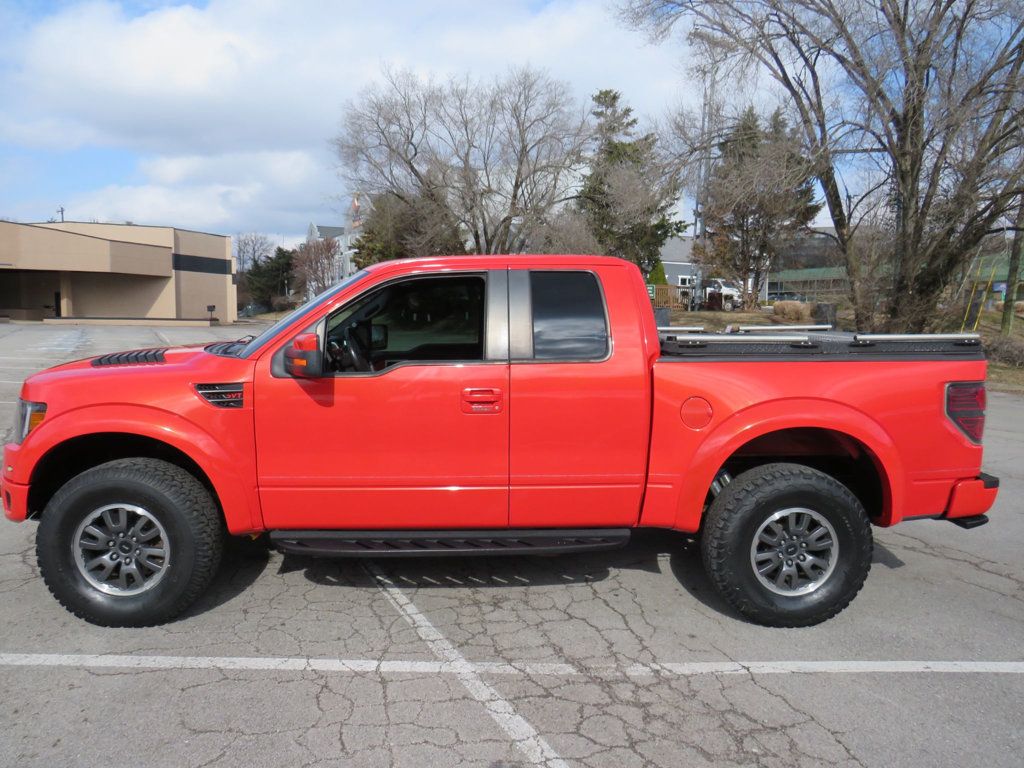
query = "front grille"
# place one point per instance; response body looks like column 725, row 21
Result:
column 221, row 395
column 134, row 357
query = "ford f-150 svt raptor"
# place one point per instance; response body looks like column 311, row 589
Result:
column 499, row 404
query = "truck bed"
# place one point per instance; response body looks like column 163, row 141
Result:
column 818, row 345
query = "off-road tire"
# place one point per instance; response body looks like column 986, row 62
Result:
column 184, row 508
column 736, row 514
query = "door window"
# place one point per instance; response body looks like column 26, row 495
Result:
column 569, row 321
column 426, row 319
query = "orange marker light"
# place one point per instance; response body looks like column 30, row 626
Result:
column 35, row 418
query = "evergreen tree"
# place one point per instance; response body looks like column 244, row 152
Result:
column 627, row 197
column 402, row 228
column 271, row 278
column 761, row 191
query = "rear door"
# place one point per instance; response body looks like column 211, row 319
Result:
column 580, row 398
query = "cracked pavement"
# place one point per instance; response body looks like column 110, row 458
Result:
column 573, row 660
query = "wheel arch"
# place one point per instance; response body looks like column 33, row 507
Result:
column 793, row 430
column 836, row 453
column 79, row 440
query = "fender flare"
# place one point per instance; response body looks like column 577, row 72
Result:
column 791, row 413
column 239, row 501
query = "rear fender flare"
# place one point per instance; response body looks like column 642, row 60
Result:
column 745, row 425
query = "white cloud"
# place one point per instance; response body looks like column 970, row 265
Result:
column 232, row 192
column 230, row 107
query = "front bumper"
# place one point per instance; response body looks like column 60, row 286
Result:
column 972, row 498
column 13, row 496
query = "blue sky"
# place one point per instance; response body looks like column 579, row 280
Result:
column 217, row 116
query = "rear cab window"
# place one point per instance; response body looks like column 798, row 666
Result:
column 568, row 316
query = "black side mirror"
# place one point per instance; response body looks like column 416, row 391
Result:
column 378, row 337
column 303, row 358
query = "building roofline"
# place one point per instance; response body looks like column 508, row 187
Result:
column 119, row 224
column 42, row 225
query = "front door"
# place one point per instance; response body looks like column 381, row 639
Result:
column 409, row 426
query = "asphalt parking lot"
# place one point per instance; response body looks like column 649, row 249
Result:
column 608, row 659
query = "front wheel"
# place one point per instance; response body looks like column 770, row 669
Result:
column 129, row 543
column 787, row 545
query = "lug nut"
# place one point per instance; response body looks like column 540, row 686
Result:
column 803, row 544
column 120, row 535
column 110, row 543
column 802, row 558
column 789, row 563
column 113, row 557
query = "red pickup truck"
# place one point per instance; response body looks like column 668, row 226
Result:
column 495, row 405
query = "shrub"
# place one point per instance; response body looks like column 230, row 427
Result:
column 1005, row 349
column 793, row 311
column 657, row 276
column 283, row 304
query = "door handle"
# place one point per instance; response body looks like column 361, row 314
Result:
column 481, row 400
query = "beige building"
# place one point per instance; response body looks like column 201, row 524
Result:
column 79, row 270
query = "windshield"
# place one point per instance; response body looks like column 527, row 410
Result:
column 295, row 314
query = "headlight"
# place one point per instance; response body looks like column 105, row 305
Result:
column 27, row 416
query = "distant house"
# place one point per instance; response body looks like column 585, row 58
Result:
column 323, row 231
column 345, row 265
column 677, row 258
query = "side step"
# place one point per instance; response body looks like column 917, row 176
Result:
column 967, row 523
column 536, row 541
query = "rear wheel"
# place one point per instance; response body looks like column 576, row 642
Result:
column 129, row 543
column 787, row 545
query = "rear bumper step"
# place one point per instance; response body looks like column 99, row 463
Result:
column 536, row 541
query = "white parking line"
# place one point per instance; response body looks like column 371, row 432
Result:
column 524, row 736
column 551, row 669
column 826, row 667
column 269, row 663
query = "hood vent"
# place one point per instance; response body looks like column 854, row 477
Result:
column 135, row 357
column 221, row 395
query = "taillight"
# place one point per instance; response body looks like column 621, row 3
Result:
column 965, row 406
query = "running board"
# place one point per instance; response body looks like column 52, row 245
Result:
column 536, row 541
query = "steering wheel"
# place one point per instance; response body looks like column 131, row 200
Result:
column 357, row 357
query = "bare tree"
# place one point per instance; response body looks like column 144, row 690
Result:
column 250, row 249
column 919, row 100
column 316, row 264
column 567, row 231
column 497, row 158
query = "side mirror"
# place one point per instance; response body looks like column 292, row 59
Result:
column 303, row 358
column 378, row 337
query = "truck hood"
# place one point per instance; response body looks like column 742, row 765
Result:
column 127, row 361
column 157, row 376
